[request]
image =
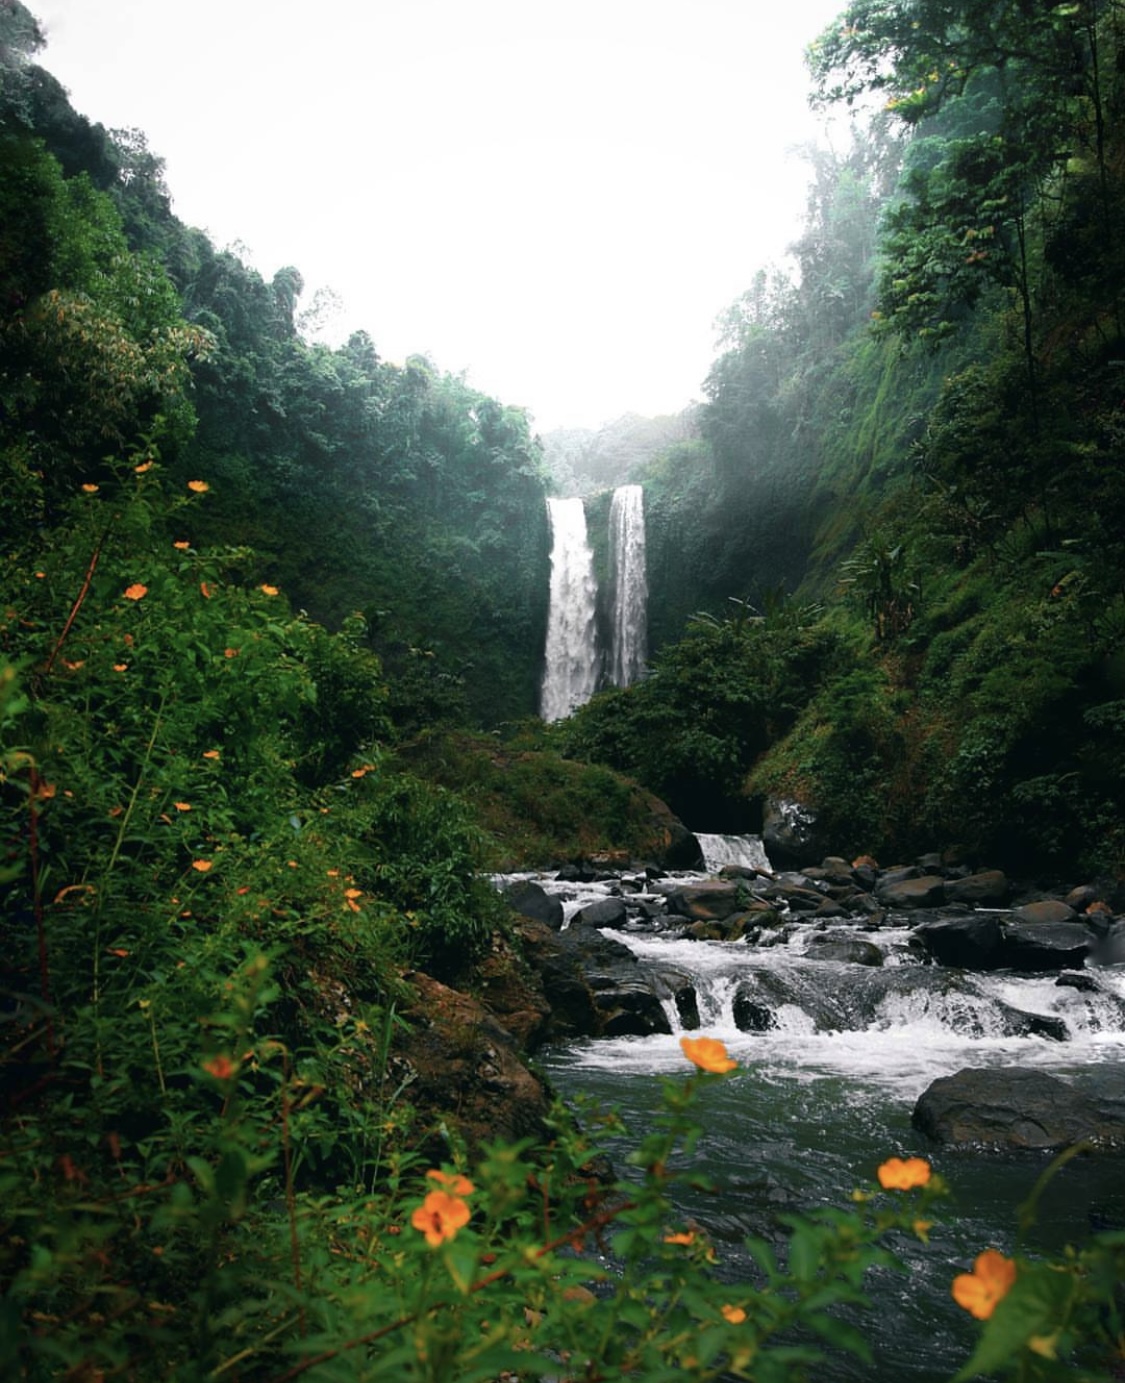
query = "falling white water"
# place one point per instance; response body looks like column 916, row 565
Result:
column 570, row 671
column 746, row 851
column 630, row 585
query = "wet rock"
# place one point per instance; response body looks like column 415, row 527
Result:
column 606, row 912
column 988, row 887
column 705, row 901
column 532, row 900
column 558, row 964
column 630, row 1008
column 789, row 832
column 680, row 988
column 732, row 928
column 1046, row 910
column 750, row 1014
column 1010, row 1108
column 1081, row 897
column 920, row 891
column 967, row 943
column 849, row 950
column 1077, row 979
column 1045, row 946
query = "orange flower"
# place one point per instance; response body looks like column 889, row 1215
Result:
column 202, row 865
column 182, row 545
column 120, row 667
column 221, row 1067
column 989, row 1282
column 684, row 1239
column 206, row 588
column 182, row 806
column 144, row 466
column 136, row 591
column 268, row 590
column 897, row 1175
column 454, row 1182
column 211, row 754
column 199, row 486
column 708, row 1053
column 440, row 1216
column 89, row 489
column 231, row 652
column 735, row 1314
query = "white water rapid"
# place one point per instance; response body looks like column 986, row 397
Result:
column 570, row 671
column 630, row 585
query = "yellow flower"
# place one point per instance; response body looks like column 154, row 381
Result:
column 202, row 865
column 440, row 1216
column 453, row 1182
column 980, row 1291
column 898, row 1175
column 136, row 591
column 199, row 486
column 708, row 1053
column 268, row 590
column 734, row 1314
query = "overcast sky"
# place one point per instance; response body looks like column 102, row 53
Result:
column 557, row 198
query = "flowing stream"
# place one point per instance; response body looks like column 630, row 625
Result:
column 825, row 1093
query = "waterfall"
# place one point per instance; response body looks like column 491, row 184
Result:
column 570, row 672
column 630, row 585
column 745, row 851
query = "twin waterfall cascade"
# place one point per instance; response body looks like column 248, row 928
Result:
column 630, row 585
column 574, row 661
column 570, row 673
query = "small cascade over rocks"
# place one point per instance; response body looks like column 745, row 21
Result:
column 575, row 666
column 570, row 671
column 746, row 852
column 834, row 967
column 630, row 585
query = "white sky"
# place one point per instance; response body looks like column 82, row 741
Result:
column 556, row 196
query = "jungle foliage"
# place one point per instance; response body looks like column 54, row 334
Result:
column 920, row 432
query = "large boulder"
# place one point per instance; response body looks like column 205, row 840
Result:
column 971, row 942
column 850, row 950
column 530, row 899
column 706, row 901
column 989, row 888
column 1010, row 1108
column 1046, row 910
column 923, row 891
column 462, row 1067
column 1044, row 946
column 605, row 912
column 789, row 833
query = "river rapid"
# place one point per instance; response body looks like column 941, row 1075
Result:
column 826, row 1094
